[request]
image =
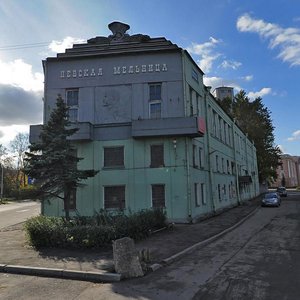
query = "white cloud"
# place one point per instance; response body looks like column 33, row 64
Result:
column 206, row 53
column 9, row 133
column 230, row 64
column 282, row 148
column 19, row 74
column 247, row 78
column 286, row 39
column 67, row 42
column 295, row 136
column 261, row 93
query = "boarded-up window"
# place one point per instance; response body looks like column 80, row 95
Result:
column 157, row 156
column 158, row 195
column 114, row 196
column 114, row 156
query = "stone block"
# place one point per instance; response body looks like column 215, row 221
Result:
column 126, row 258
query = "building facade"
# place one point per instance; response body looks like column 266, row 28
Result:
column 150, row 126
column 288, row 173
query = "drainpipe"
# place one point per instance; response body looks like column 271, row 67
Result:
column 236, row 169
column 188, row 180
column 188, row 175
column 209, row 154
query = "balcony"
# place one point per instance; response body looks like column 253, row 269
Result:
column 184, row 126
column 85, row 132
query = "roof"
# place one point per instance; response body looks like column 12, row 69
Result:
column 117, row 43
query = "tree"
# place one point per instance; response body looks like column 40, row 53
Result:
column 19, row 146
column 255, row 120
column 52, row 161
column 2, row 153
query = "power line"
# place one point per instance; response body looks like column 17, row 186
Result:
column 23, row 46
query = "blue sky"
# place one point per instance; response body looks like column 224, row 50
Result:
column 252, row 45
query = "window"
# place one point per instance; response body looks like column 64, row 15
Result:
column 201, row 157
column 157, row 156
column 155, row 110
column 155, row 91
column 72, row 202
column 200, row 194
column 233, row 168
column 191, row 103
column 158, row 195
column 155, row 101
column 228, row 167
column 195, row 162
column 223, row 168
column 114, row 197
column 114, row 156
column 217, row 163
column 195, row 75
column 72, row 103
column 219, row 192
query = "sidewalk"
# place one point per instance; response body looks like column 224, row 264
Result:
column 164, row 247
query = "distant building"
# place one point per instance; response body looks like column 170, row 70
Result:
column 150, row 126
column 224, row 92
column 288, row 172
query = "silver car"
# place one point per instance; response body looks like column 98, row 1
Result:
column 271, row 199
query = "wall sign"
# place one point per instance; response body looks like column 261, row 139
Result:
column 117, row 70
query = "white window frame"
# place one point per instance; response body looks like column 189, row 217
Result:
column 155, row 102
column 72, row 107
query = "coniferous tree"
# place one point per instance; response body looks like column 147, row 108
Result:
column 52, row 161
column 255, row 120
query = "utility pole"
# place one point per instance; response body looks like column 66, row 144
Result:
column 1, row 195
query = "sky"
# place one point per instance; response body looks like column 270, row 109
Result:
column 253, row 45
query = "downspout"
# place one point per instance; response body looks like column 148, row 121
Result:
column 188, row 181
column 236, row 169
column 209, row 154
column 188, row 175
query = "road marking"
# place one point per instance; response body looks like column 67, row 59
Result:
column 22, row 210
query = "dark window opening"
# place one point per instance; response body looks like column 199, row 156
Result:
column 157, row 156
column 114, row 197
column 158, row 195
column 114, row 156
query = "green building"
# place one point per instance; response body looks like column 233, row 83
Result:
column 150, row 126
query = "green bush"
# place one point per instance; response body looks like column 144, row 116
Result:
column 92, row 232
column 28, row 192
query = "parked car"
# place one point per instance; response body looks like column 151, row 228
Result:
column 282, row 191
column 271, row 199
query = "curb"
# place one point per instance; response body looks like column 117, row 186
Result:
column 106, row 276
column 177, row 256
column 61, row 273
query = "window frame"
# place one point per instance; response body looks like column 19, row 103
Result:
column 164, row 195
column 114, row 166
column 121, row 202
column 161, row 162
column 154, row 114
column 72, row 107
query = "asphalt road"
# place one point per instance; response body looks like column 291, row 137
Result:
column 14, row 213
column 258, row 260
